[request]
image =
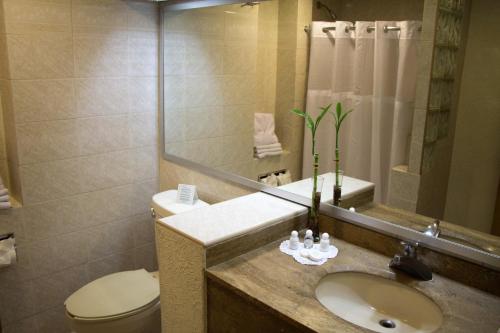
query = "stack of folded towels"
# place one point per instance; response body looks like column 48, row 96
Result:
column 265, row 140
column 4, row 196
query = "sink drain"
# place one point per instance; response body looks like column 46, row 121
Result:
column 387, row 323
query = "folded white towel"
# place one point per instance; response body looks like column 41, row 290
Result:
column 262, row 155
column 274, row 145
column 4, row 198
column 4, row 191
column 264, row 129
column 270, row 150
column 5, row 205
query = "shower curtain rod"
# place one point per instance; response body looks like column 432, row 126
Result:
column 387, row 28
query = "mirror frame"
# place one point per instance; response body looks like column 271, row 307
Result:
column 460, row 251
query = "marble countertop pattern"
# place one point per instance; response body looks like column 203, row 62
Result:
column 288, row 287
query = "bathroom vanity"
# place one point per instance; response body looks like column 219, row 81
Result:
column 267, row 291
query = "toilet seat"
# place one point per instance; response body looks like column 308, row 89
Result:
column 114, row 296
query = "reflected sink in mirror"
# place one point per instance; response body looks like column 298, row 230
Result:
column 378, row 304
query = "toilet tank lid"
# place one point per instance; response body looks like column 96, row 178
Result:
column 166, row 203
column 114, row 295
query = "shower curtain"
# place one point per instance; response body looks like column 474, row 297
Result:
column 373, row 73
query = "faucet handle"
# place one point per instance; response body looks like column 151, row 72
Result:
column 409, row 249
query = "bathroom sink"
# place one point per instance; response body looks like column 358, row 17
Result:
column 379, row 304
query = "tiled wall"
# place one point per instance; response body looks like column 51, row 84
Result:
column 80, row 91
column 447, row 47
column 217, row 78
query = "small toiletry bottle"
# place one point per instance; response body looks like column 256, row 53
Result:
column 293, row 243
column 308, row 239
column 324, row 243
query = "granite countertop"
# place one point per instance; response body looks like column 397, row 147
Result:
column 275, row 279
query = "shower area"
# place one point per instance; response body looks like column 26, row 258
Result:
column 367, row 60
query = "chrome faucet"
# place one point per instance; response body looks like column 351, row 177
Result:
column 409, row 263
column 433, row 230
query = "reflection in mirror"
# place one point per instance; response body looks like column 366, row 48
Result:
column 422, row 142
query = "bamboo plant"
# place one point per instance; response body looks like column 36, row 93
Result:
column 338, row 116
column 313, row 126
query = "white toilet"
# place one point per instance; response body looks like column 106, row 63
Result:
column 124, row 302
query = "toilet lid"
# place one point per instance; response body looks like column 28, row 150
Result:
column 114, row 295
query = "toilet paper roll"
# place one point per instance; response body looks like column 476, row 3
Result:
column 8, row 255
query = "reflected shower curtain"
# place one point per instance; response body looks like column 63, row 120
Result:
column 373, row 73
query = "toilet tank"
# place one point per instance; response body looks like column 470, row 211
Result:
column 164, row 204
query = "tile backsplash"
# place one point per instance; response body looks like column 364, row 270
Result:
column 79, row 88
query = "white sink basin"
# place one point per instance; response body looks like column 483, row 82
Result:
column 378, row 304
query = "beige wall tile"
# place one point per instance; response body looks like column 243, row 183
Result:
column 143, row 95
column 28, row 325
column 52, row 290
column 114, row 263
column 101, row 14
column 143, row 129
column 239, row 89
column 58, row 253
column 23, row 16
column 142, row 16
column 145, row 257
column 103, row 134
column 50, row 180
column 101, row 96
column 175, row 92
column 36, row 100
column 17, row 302
column 141, row 195
column 238, row 119
column 105, row 170
column 144, row 229
column 107, row 205
column 52, row 321
column 100, row 55
column 47, row 141
column 203, row 122
column 40, row 55
column 204, row 91
column 144, row 163
column 84, row 77
column 142, row 54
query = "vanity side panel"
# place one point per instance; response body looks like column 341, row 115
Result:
column 182, row 282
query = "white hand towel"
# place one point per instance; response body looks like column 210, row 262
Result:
column 262, row 155
column 264, row 129
column 4, row 198
column 274, row 145
column 5, row 205
column 4, row 191
column 270, row 150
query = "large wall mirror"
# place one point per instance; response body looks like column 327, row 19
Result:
column 421, row 147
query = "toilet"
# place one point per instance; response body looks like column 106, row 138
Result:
column 124, row 302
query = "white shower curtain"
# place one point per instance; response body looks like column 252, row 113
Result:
column 373, row 73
